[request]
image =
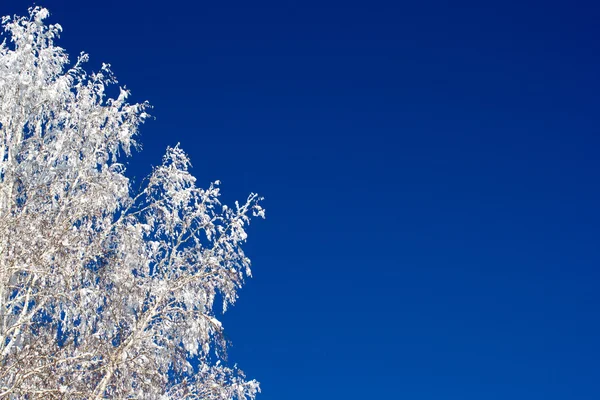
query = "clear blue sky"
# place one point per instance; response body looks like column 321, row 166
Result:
column 431, row 172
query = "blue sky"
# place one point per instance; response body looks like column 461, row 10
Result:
column 431, row 173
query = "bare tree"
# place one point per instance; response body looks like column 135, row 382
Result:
column 104, row 293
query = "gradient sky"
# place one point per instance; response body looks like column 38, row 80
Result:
column 431, row 173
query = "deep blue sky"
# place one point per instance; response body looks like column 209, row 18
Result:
column 431, row 172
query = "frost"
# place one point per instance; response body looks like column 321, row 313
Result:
column 104, row 292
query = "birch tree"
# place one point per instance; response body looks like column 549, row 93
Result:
column 105, row 292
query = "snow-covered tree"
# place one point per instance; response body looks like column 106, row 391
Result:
column 104, row 292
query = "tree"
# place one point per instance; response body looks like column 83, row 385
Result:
column 104, row 292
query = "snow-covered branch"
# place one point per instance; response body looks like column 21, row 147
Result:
column 104, row 292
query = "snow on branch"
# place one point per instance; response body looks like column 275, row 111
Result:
column 104, row 293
